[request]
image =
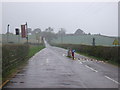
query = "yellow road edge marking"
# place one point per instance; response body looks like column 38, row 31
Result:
column 4, row 83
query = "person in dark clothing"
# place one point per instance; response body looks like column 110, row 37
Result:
column 73, row 51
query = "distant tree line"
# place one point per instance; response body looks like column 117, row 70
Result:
column 49, row 33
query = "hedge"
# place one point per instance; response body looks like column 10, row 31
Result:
column 102, row 52
column 12, row 56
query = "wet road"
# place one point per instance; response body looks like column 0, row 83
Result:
column 50, row 68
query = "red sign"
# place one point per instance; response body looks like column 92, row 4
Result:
column 23, row 31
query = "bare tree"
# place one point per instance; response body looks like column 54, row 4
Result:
column 49, row 34
column 62, row 32
column 37, row 30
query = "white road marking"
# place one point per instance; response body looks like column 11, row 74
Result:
column 91, row 68
column 112, row 79
column 63, row 54
column 47, row 61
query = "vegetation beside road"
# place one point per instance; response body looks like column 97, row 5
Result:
column 109, row 54
column 15, row 55
column 34, row 49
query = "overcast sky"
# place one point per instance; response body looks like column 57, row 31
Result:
column 93, row 17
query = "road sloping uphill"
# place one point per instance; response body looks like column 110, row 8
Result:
column 50, row 68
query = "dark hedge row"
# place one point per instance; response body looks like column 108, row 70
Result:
column 12, row 56
column 102, row 52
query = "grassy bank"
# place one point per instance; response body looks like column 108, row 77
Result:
column 15, row 56
column 34, row 49
column 109, row 54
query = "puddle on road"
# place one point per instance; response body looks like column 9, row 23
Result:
column 20, row 74
column 50, row 69
column 21, row 82
column 15, row 82
column 12, row 81
column 64, row 83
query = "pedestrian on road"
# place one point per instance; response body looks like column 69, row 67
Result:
column 69, row 52
column 73, row 51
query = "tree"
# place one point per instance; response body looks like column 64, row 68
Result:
column 38, row 37
column 37, row 30
column 89, row 33
column 49, row 34
column 49, row 29
column 79, row 32
column 62, row 32
column 29, row 30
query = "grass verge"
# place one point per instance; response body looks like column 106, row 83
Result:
column 104, row 53
column 34, row 49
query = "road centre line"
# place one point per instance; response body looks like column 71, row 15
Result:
column 47, row 61
column 112, row 79
column 91, row 68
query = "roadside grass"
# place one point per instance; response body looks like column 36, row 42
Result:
column 69, row 56
column 101, row 53
column 34, row 49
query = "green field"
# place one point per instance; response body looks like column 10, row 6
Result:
column 85, row 40
column 12, row 38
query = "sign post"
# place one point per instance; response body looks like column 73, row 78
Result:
column 18, row 33
column 8, row 32
column 93, row 42
column 26, row 32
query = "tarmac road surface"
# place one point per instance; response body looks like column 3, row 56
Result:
column 50, row 68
